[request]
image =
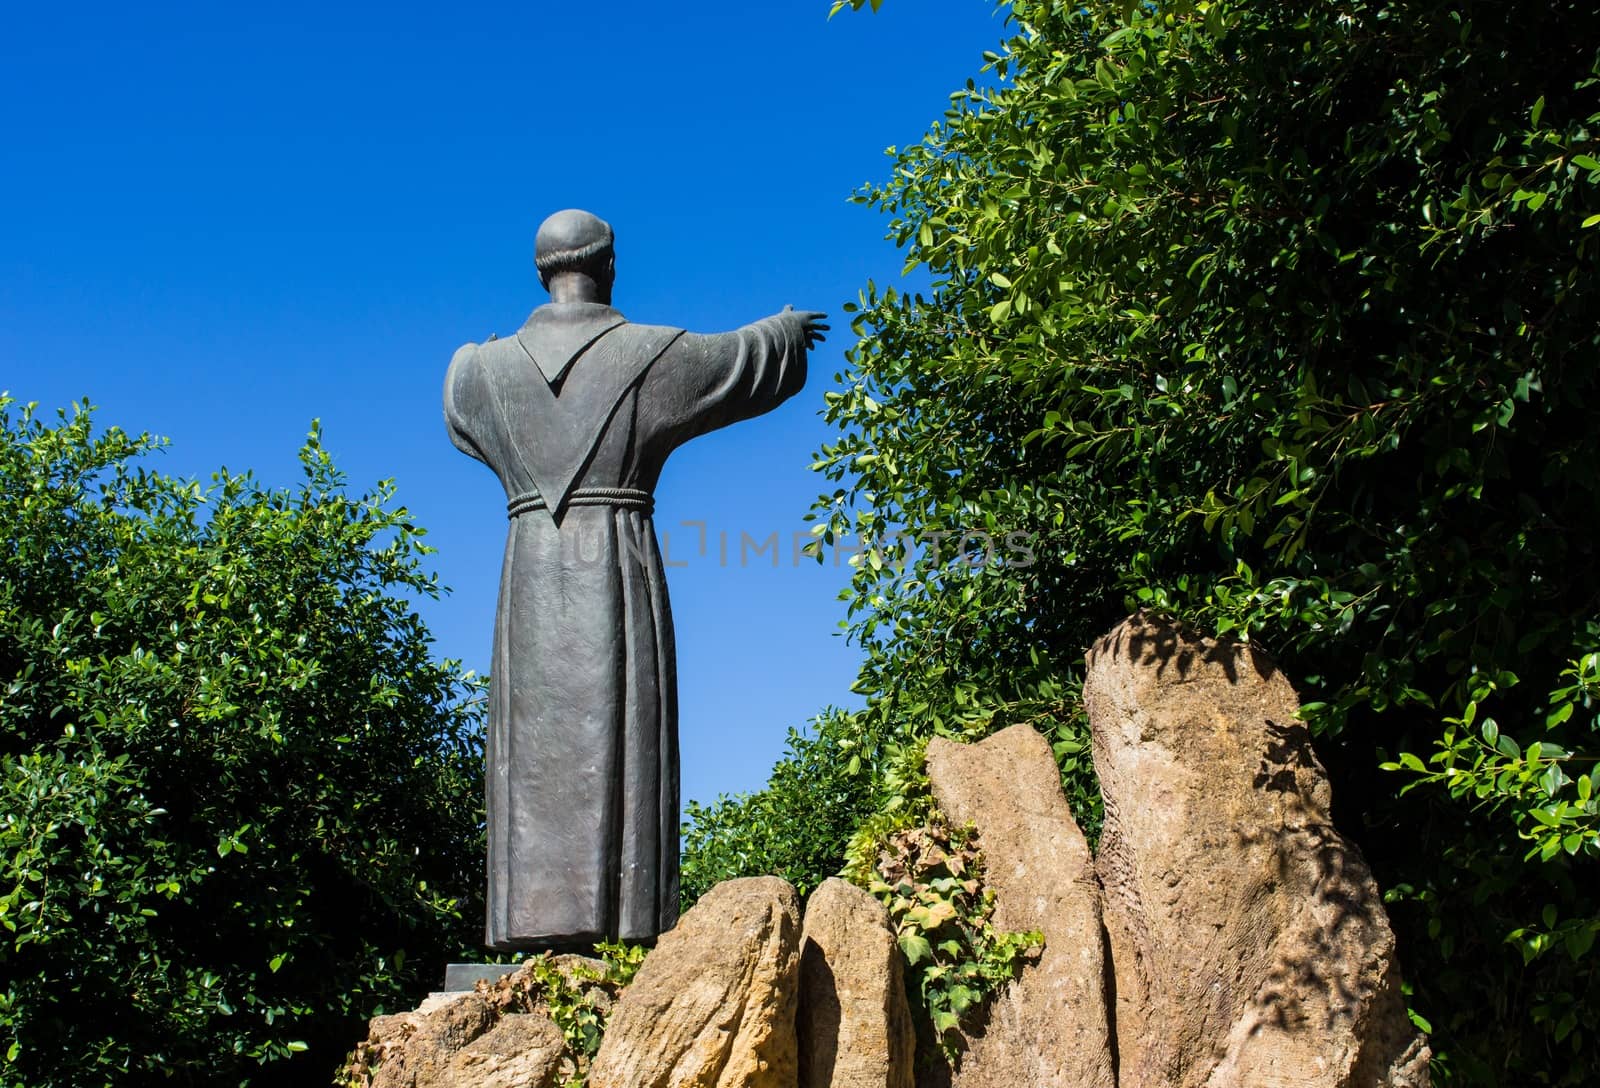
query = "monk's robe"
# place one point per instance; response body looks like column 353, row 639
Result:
column 576, row 414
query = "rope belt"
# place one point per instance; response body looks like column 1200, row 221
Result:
column 628, row 498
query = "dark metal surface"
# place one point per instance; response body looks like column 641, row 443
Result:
column 576, row 414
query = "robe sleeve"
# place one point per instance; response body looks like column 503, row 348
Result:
column 456, row 413
column 710, row 381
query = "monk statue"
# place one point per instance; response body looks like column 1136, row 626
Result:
column 576, row 414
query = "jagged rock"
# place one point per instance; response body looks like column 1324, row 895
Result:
column 498, row 1036
column 853, row 1025
column 413, row 1049
column 522, row 1050
column 1051, row 1025
column 460, row 1041
column 713, row 1006
column 1249, row 941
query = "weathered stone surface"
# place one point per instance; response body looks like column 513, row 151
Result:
column 413, row 1049
column 713, row 1006
column 853, row 1025
column 1249, row 941
column 522, row 1050
column 1051, row 1025
column 497, row 1036
column 461, row 1042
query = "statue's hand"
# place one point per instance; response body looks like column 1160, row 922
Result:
column 812, row 323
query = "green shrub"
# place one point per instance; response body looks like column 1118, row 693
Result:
column 240, row 804
column 796, row 827
column 1280, row 318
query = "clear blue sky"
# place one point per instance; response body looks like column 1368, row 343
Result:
column 219, row 222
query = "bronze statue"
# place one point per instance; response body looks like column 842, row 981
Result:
column 576, row 414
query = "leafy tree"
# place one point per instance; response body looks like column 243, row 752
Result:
column 1278, row 317
column 239, row 801
column 794, row 828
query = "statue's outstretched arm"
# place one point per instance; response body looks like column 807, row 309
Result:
column 710, row 381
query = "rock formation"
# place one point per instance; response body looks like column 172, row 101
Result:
column 854, row 1026
column 1249, row 941
column 1226, row 936
column 477, row 1039
column 714, row 1004
column 1050, row 1026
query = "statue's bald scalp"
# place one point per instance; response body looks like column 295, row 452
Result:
column 572, row 241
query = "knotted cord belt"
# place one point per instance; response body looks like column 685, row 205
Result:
column 628, row 498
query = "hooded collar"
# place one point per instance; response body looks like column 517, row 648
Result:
column 558, row 332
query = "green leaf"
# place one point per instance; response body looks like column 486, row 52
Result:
column 1553, row 780
column 915, row 947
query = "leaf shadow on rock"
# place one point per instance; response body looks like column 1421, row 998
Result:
column 1333, row 976
column 1168, row 644
column 1288, row 752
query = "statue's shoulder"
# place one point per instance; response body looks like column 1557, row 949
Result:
column 474, row 363
column 641, row 327
column 658, row 337
column 488, row 353
column 460, row 363
column 471, row 348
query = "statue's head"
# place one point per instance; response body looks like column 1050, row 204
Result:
column 576, row 242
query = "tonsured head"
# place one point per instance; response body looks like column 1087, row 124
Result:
column 575, row 241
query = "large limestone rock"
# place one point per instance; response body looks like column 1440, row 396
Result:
column 1051, row 1025
column 853, row 1024
column 713, row 1006
column 500, row 1035
column 462, row 1042
column 1249, row 941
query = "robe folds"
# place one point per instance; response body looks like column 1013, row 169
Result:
column 576, row 415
